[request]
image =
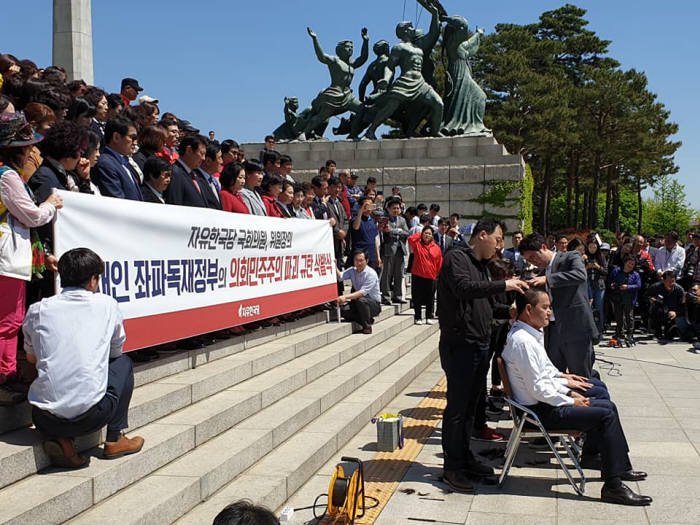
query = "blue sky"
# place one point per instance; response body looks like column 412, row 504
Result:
column 227, row 65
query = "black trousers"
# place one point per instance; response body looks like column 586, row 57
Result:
column 362, row 310
column 499, row 334
column 575, row 355
column 112, row 410
column 422, row 293
column 624, row 319
column 465, row 365
column 601, row 424
column 660, row 322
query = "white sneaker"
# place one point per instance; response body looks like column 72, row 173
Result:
column 430, row 321
column 418, row 321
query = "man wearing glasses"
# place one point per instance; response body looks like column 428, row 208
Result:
column 116, row 177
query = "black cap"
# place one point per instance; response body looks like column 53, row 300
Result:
column 131, row 82
column 354, row 176
column 186, row 126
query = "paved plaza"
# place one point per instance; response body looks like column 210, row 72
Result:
column 657, row 390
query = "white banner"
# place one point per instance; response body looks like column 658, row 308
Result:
column 170, row 266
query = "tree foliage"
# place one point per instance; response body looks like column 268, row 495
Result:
column 668, row 209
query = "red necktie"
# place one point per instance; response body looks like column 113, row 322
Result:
column 194, row 181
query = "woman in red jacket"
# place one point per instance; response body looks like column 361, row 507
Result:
column 232, row 180
column 271, row 188
column 427, row 261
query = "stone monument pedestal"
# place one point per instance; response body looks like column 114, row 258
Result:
column 72, row 38
column 455, row 173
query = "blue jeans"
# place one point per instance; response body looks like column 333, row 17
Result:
column 597, row 296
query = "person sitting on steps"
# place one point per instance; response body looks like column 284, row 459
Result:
column 84, row 381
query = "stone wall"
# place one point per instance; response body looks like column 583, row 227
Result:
column 452, row 172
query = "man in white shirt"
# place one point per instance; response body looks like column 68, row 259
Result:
column 670, row 256
column 365, row 300
column 560, row 400
column 84, row 381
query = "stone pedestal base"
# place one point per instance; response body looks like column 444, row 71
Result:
column 72, row 38
column 451, row 172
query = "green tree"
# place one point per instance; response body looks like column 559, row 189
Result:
column 668, row 209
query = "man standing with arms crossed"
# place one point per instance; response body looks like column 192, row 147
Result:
column 465, row 289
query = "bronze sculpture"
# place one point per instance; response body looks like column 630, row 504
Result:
column 411, row 101
column 465, row 101
column 337, row 98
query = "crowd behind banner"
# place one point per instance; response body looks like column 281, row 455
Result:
column 58, row 135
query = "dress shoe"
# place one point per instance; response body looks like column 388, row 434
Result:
column 367, row 330
column 398, row 300
column 123, row 447
column 478, row 469
column 457, row 481
column 62, row 453
column 8, row 397
column 633, row 475
column 386, row 302
column 623, row 495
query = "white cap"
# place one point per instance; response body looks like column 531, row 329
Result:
column 146, row 98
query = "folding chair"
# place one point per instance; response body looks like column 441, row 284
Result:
column 521, row 415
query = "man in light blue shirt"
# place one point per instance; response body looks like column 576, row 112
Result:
column 84, row 381
column 364, row 302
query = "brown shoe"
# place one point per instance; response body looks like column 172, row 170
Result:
column 367, row 330
column 62, row 453
column 122, row 447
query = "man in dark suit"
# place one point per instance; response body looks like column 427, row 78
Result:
column 513, row 254
column 211, row 164
column 394, row 232
column 342, row 223
column 115, row 175
column 573, row 328
column 445, row 236
column 156, row 174
column 187, row 187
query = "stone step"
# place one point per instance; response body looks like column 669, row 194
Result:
column 271, row 481
column 19, row 416
column 21, row 451
column 298, row 434
column 193, row 425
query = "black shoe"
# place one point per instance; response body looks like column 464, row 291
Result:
column 399, row 301
column 457, row 481
column 623, row 495
column 386, row 302
column 633, row 475
column 478, row 469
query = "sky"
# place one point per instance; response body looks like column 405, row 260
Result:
column 226, row 65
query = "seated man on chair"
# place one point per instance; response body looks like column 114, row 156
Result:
column 565, row 401
column 84, row 381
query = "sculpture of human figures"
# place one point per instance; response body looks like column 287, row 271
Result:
column 465, row 102
column 337, row 98
column 375, row 72
column 410, row 88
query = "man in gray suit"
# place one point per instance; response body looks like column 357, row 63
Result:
column 394, row 232
column 513, row 254
column 573, row 329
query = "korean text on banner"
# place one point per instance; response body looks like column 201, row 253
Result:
column 178, row 271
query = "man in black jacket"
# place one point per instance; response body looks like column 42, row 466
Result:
column 187, row 186
column 465, row 290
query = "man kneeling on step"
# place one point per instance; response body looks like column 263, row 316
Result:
column 84, row 381
column 362, row 305
column 564, row 401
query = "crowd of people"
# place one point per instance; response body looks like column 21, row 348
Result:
column 543, row 304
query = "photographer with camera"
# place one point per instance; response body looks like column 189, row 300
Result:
column 666, row 300
column 647, row 275
column 692, row 261
column 624, row 286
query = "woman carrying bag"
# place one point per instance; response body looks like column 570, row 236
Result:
column 21, row 254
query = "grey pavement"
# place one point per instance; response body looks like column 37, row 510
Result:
column 657, row 390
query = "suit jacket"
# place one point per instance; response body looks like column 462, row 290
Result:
column 210, row 197
column 394, row 241
column 337, row 211
column 572, row 311
column 518, row 265
column 449, row 241
column 182, row 190
column 114, row 180
column 149, row 195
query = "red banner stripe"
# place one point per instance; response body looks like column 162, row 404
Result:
column 153, row 330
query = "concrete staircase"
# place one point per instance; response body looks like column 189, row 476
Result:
column 253, row 418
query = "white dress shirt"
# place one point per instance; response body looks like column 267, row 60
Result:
column 666, row 259
column 72, row 335
column 533, row 377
